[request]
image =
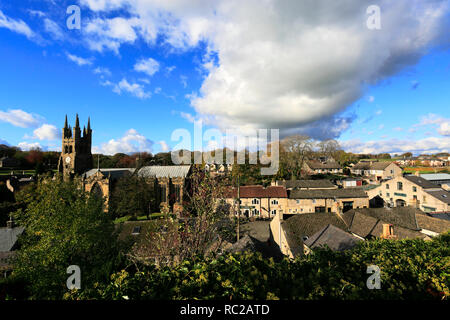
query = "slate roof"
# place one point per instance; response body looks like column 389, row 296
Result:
column 433, row 224
column 369, row 222
column 8, row 238
column 165, row 171
column 441, row 215
column 421, row 182
column 398, row 216
column 115, row 173
column 306, row 184
column 258, row 192
column 328, row 193
column 442, row 195
column 336, row 239
column 376, row 165
column 298, row 226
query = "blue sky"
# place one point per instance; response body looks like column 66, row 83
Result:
column 141, row 69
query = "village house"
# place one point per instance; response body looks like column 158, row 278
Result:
column 325, row 200
column 406, row 222
column 376, row 170
column 352, row 183
column 412, row 191
column 257, row 201
column 323, row 165
column 289, row 233
column 306, row 184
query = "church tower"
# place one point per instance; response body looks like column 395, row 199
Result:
column 76, row 156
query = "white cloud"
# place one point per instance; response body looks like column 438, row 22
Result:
column 371, row 99
column 183, row 80
column 102, row 71
column 131, row 142
column 164, row 146
column 149, row 66
column 426, row 145
column 20, row 118
column 78, row 60
column 47, row 132
column 135, row 89
column 53, row 28
column 442, row 123
column 280, row 64
column 444, row 128
column 25, row 146
column 16, row 25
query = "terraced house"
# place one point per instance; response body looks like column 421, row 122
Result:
column 326, row 200
column 377, row 170
column 322, row 166
column 259, row 202
column 412, row 191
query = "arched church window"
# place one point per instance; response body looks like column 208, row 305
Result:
column 97, row 190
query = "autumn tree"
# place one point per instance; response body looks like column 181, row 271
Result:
column 64, row 226
column 294, row 151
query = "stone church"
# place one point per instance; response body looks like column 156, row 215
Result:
column 76, row 161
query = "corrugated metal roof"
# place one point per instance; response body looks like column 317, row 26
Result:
column 165, row 171
column 435, row 176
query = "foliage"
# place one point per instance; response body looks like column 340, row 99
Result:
column 410, row 269
column 64, row 226
column 132, row 195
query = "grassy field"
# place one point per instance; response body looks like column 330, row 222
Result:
column 139, row 218
column 426, row 170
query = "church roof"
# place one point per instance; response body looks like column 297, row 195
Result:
column 165, row 171
column 115, row 173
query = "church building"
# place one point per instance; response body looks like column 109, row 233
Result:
column 170, row 182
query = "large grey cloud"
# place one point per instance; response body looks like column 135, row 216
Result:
column 282, row 64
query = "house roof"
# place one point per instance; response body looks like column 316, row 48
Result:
column 399, row 216
column 441, row 195
column 433, row 224
column 369, row 222
column 441, row 215
column 165, row 171
column 315, row 164
column 258, row 192
column 306, row 225
column 421, row 182
column 376, row 165
column 115, row 173
column 333, row 237
column 306, row 184
column 8, row 238
column 328, row 193
column 435, row 176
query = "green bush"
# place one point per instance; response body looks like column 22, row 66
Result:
column 410, row 269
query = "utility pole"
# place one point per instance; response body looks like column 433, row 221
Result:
column 239, row 206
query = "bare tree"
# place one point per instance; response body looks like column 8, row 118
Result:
column 193, row 233
column 295, row 150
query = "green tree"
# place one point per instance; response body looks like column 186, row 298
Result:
column 132, row 195
column 63, row 226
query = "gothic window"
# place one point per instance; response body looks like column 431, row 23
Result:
column 70, row 149
column 163, row 193
column 177, row 193
column 96, row 190
column 66, row 149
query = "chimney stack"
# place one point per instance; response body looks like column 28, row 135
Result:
column 388, row 231
column 10, row 223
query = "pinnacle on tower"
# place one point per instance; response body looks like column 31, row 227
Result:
column 65, row 123
column 77, row 122
column 89, row 124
